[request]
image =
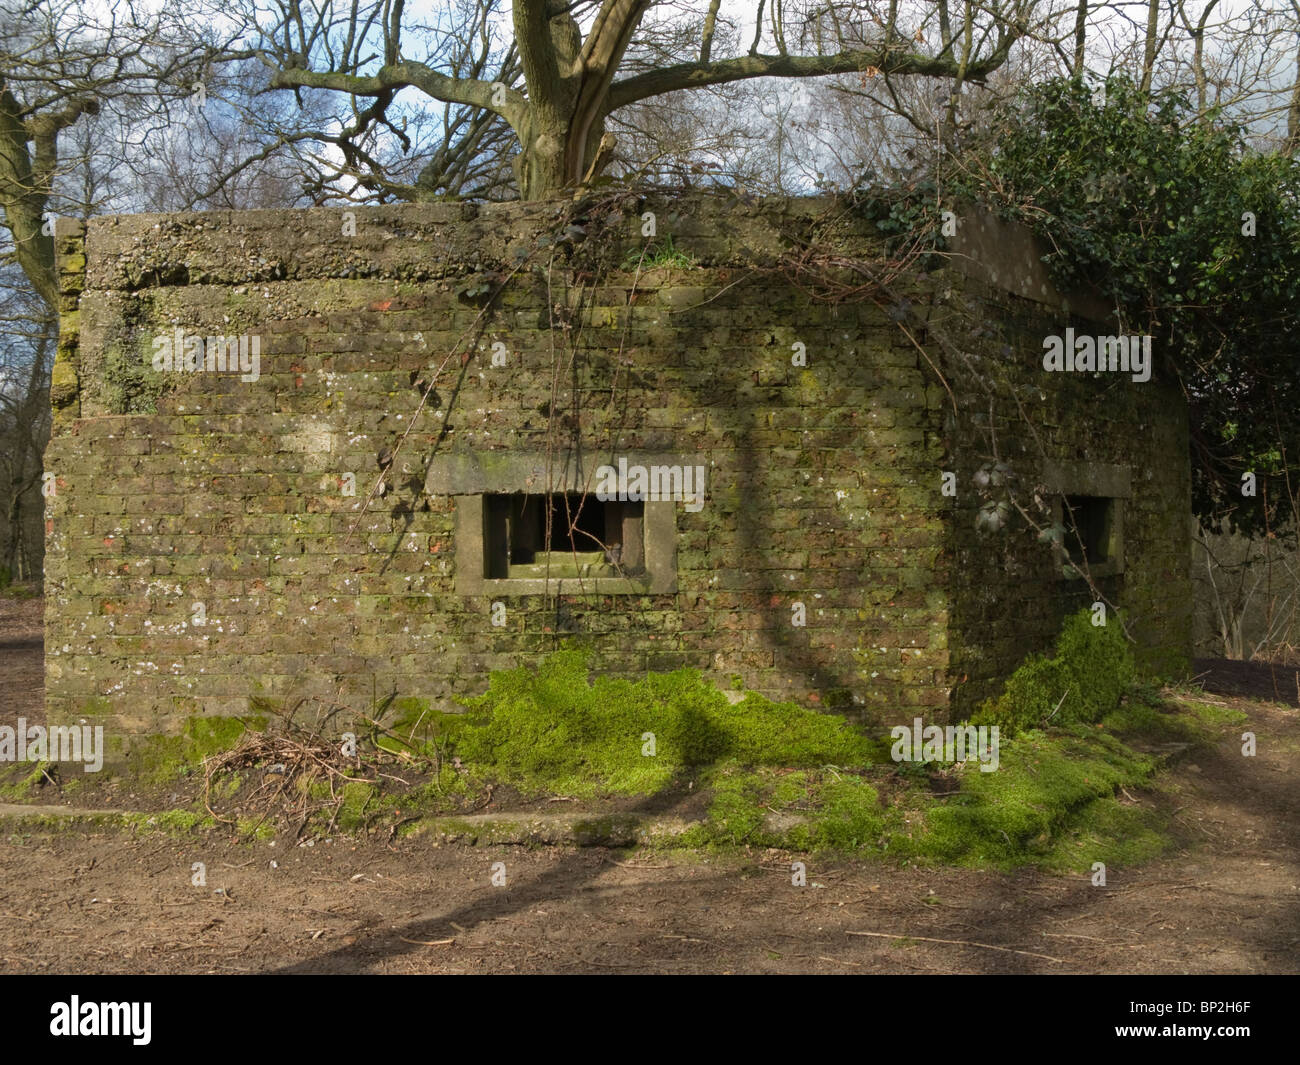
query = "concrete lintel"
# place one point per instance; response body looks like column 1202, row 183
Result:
column 1089, row 479
column 476, row 473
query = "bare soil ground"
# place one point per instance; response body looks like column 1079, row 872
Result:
column 22, row 661
column 1226, row 901
column 1254, row 680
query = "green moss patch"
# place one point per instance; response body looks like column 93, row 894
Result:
column 778, row 775
column 749, row 773
column 552, row 730
column 1059, row 800
column 160, row 760
column 1044, row 782
column 20, row 780
column 1085, row 679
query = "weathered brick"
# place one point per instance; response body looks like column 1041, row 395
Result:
column 823, row 480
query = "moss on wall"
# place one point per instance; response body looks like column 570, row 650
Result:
column 824, row 479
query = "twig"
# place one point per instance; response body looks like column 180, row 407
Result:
column 960, row 943
column 635, row 865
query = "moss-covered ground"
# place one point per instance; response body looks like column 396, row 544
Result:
column 741, row 770
column 779, row 775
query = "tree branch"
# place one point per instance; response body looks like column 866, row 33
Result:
column 408, row 74
column 886, row 60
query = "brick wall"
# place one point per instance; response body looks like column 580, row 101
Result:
column 200, row 496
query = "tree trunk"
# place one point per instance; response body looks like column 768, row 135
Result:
column 1293, row 112
column 547, row 163
column 23, row 199
column 1080, row 37
column 554, row 155
column 1150, row 44
column 539, row 166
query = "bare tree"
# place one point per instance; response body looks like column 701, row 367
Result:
column 27, row 337
column 583, row 61
column 1248, row 593
column 396, row 143
column 60, row 61
column 63, row 65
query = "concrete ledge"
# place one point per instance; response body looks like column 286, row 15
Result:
column 583, row 830
column 22, row 809
column 423, row 241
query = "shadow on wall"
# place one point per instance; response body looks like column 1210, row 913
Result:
column 755, row 480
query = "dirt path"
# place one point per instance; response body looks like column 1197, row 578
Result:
column 1227, row 902
column 1253, row 680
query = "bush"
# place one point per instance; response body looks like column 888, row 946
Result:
column 1086, row 172
column 1038, row 691
column 1084, row 680
column 1100, row 662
